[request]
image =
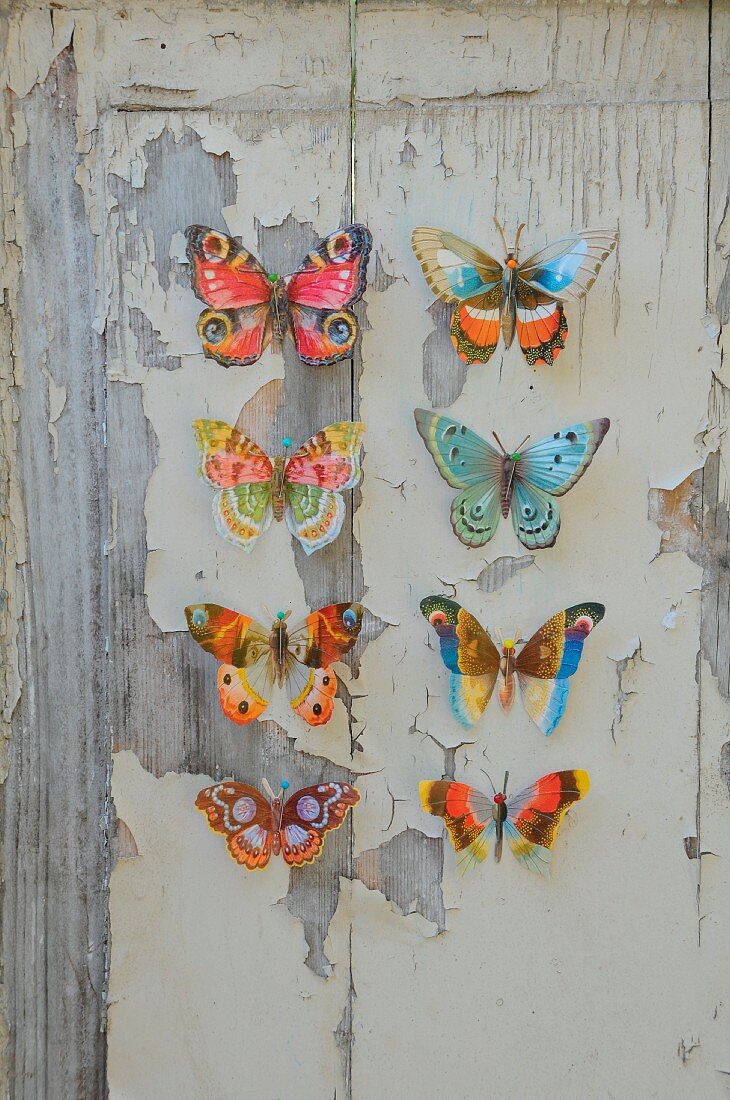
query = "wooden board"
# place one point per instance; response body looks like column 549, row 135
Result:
column 125, row 125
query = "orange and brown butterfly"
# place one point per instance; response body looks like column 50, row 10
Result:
column 255, row 658
column 304, row 488
column 248, row 307
column 543, row 666
column 257, row 826
column 530, row 819
column 524, row 297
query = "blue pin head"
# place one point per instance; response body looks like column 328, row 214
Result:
column 286, row 441
column 285, row 784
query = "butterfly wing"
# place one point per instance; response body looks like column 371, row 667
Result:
column 535, row 516
column 324, row 637
column 469, row 654
column 557, row 462
column 462, row 274
column 322, row 468
column 550, row 658
column 309, row 814
column 468, row 816
column 330, row 279
column 475, row 327
column 465, row 461
column 567, row 269
column 232, row 463
column 455, row 270
column 535, row 815
column 540, row 325
column 242, row 645
column 236, row 327
column 243, row 816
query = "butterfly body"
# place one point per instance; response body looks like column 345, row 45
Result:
column 304, row 488
column 254, row 658
column 542, row 668
column 529, row 820
column 515, row 298
column 257, row 826
column 525, row 482
column 248, row 308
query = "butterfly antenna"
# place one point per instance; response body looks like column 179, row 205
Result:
column 499, row 443
column 489, row 776
column 518, row 234
column 267, row 787
column 504, row 788
column 504, row 239
column 521, row 445
column 268, row 613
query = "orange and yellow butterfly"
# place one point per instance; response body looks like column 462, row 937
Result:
column 523, row 298
column 305, row 488
column 255, row 658
column 529, row 819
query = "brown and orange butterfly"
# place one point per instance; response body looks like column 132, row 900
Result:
column 530, row 819
column 254, row 658
column 523, row 298
column 258, row 825
column 248, row 308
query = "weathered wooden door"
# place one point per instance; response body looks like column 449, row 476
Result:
column 137, row 957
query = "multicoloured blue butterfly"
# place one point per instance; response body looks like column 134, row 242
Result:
column 527, row 481
column 543, row 666
column 525, row 298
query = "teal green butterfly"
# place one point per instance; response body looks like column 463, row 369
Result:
column 493, row 482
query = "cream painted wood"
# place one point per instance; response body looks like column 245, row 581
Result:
column 137, row 957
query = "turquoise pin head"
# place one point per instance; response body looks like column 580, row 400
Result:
column 280, row 615
column 286, row 441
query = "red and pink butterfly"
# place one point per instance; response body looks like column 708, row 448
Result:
column 248, row 308
column 257, row 826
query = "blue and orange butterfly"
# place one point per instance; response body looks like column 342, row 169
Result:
column 523, row 298
column 527, row 481
column 543, row 666
column 249, row 308
column 529, row 819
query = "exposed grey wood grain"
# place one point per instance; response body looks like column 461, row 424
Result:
column 54, row 907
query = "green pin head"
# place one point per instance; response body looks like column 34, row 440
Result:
column 516, row 456
column 273, row 278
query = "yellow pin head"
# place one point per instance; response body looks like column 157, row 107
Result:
column 508, row 643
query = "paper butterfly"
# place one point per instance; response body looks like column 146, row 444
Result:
column 305, row 488
column 256, row 825
column 250, row 308
column 530, row 820
column 525, row 298
column 254, row 658
column 527, row 481
column 543, row 666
